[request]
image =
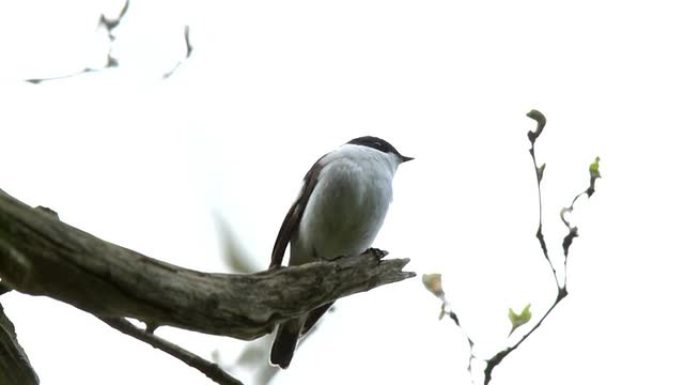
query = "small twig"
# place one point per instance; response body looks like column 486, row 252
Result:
column 539, row 173
column 188, row 46
column 188, row 52
column 471, row 344
column 110, row 25
column 211, row 370
column 572, row 230
column 61, row 77
column 498, row 357
column 433, row 284
column 562, row 291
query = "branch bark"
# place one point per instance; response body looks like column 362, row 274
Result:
column 15, row 367
column 41, row 255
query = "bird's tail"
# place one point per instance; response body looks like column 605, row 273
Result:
column 285, row 343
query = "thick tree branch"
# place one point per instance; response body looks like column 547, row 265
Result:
column 40, row 255
column 15, row 367
column 4, row 288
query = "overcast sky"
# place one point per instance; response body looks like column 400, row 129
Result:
column 147, row 163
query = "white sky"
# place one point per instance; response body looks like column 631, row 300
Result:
column 271, row 86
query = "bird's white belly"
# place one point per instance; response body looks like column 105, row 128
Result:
column 344, row 213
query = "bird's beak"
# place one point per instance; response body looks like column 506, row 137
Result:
column 405, row 158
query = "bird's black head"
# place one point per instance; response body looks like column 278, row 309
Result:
column 378, row 144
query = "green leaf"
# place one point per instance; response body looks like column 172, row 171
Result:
column 594, row 168
column 519, row 319
column 593, row 175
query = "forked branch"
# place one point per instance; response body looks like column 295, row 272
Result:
column 433, row 281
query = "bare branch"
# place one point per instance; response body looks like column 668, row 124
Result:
column 40, row 255
column 109, row 24
column 211, row 370
column 539, row 172
column 15, row 367
column 561, row 288
column 188, row 46
column 498, row 357
column 446, row 309
column 188, row 52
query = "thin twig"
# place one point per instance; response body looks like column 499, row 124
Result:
column 446, row 309
column 572, row 230
column 211, row 370
column 188, row 52
column 562, row 291
column 539, row 173
column 433, row 281
column 498, row 357
column 110, row 25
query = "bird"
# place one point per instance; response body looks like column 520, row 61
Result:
column 338, row 213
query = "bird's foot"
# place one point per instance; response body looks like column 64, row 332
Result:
column 377, row 253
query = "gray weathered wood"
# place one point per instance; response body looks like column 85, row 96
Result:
column 15, row 367
column 41, row 255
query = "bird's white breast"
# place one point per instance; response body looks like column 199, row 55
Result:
column 348, row 205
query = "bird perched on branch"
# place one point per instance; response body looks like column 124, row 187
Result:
column 338, row 213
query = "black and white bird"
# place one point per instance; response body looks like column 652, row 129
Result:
column 338, row 213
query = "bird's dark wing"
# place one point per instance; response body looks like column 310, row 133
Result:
column 294, row 215
column 313, row 317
